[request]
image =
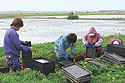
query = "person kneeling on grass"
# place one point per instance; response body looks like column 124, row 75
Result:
column 64, row 42
column 94, row 40
column 12, row 45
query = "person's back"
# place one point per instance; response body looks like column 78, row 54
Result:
column 116, row 40
column 9, row 47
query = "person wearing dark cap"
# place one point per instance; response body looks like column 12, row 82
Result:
column 64, row 42
column 12, row 44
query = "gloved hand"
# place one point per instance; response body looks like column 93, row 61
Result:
column 72, row 55
column 66, row 57
column 93, row 46
column 87, row 45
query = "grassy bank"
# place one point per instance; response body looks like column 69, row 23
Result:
column 113, row 74
column 55, row 14
column 101, row 18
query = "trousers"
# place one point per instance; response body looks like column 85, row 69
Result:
column 13, row 62
column 57, row 51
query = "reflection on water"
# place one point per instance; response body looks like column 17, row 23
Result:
column 48, row 30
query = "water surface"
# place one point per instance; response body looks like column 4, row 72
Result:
column 48, row 30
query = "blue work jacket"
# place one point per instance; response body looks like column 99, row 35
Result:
column 62, row 44
column 12, row 43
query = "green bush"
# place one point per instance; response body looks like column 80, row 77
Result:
column 72, row 17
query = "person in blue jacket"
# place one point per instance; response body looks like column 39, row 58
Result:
column 12, row 44
column 64, row 42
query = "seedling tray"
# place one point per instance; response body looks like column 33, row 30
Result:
column 114, row 58
column 90, row 52
column 85, row 79
column 76, row 71
column 97, row 63
column 108, row 60
column 43, row 65
column 117, row 49
column 5, row 69
column 106, row 55
column 64, row 63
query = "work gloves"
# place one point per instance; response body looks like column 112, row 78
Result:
column 93, row 46
column 87, row 45
column 72, row 55
column 66, row 57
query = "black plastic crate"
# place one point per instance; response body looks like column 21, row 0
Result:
column 43, row 65
column 26, row 56
column 117, row 49
column 76, row 73
column 90, row 52
column 28, row 43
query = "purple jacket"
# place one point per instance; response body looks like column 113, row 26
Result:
column 12, row 43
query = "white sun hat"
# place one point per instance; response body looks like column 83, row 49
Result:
column 116, row 42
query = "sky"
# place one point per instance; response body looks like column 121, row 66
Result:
column 61, row 5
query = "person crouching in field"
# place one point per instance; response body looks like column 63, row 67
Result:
column 12, row 45
column 95, row 40
column 116, row 40
column 64, row 42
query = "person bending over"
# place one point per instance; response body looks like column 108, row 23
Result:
column 95, row 40
column 64, row 42
column 116, row 40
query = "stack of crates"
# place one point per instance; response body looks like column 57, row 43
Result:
column 43, row 65
column 76, row 73
column 113, row 58
column 26, row 56
column 115, row 54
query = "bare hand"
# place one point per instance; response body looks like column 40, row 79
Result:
column 32, row 49
column 25, row 42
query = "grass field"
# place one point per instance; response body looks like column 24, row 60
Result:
column 55, row 14
column 112, row 74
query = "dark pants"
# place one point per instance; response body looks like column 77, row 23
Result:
column 13, row 62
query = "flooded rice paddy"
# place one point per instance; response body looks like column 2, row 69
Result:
column 48, row 30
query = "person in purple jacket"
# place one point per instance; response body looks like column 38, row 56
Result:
column 12, row 44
